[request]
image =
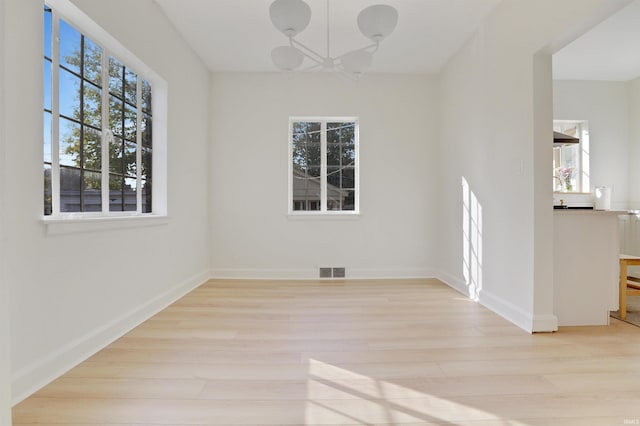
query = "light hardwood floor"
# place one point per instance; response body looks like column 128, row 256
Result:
column 390, row 352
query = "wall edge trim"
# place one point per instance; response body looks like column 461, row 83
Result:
column 544, row 323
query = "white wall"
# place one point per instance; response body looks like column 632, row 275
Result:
column 395, row 236
column 605, row 104
column 634, row 144
column 493, row 125
column 5, row 372
column 73, row 293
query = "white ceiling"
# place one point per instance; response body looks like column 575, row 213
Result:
column 237, row 35
column 609, row 51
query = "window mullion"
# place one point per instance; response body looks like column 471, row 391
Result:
column 579, row 160
column 139, row 144
column 340, row 166
column 291, row 201
column 579, row 185
column 107, row 137
column 123, row 137
column 323, row 166
column 55, row 113
column 583, row 153
column 356, row 170
column 81, row 119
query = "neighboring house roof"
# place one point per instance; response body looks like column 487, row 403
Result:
column 308, row 188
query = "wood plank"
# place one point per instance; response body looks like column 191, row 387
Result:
column 375, row 352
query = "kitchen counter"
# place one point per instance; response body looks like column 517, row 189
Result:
column 585, row 272
column 592, row 212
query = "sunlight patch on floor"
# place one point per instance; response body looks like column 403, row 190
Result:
column 339, row 395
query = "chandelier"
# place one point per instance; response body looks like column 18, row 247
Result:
column 291, row 17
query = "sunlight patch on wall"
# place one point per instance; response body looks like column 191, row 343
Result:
column 471, row 241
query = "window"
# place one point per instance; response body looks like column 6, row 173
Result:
column 98, row 121
column 323, row 165
column 571, row 162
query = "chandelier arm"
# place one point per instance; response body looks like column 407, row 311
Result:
column 362, row 49
column 310, row 53
column 328, row 33
column 375, row 46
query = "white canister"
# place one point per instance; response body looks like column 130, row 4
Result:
column 602, row 198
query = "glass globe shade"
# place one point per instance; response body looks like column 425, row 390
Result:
column 290, row 16
column 356, row 62
column 378, row 21
column 287, row 58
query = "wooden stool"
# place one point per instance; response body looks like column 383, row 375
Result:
column 629, row 286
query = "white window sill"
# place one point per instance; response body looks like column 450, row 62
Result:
column 324, row 216
column 75, row 224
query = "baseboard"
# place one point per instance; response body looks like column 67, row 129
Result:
column 524, row 320
column 399, row 273
column 33, row 377
column 507, row 310
column 263, row 274
column 312, row 273
column 454, row 282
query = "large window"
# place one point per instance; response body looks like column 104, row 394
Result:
column 98, row 143
column 571, row 161
column 323, row 165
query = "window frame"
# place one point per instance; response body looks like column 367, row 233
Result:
column 72, row 15
column 324, row 212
